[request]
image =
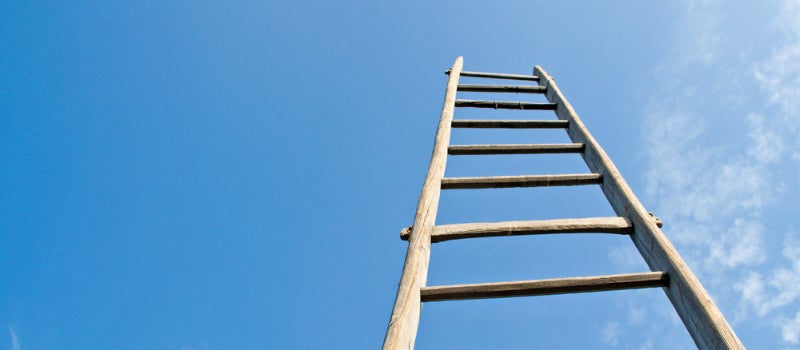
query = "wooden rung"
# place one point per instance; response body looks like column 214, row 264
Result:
column 515, row 149
column 502, row 88
column 511, row 124
column 497, row 75
column 507, row 105
column 441, row 233
column 520, row 181
column 545, row 287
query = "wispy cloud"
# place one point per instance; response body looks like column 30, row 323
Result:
column 724, row 156
column 610, row 333
column 200, row 345
column 790, row 329
column 14, row 339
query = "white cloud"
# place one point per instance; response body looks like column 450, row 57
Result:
column 780, row 74
column 770, row 292
column 14, row 338
column 646, row 346
column 768, row 144
column 201, row 345
column 610, row 333
column 637, row 315
column 752, row 291
column 700, row 189
column 701, row 20
column 625, row 257
column 739, row 245
column 723, row 156
column 790, row 329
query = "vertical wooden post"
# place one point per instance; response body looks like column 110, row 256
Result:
column 699, row 314
column 402, row 330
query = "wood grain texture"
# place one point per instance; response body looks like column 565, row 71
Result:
column 515, row 149
column 506, row 105
column 496, row 75
column 502, row 88
column 511, row 124
column 545, row 287
column 699, row 314
column 441, row 233
column 402, row 330
column 520, row 181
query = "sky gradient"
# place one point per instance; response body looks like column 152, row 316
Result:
column 235, row 175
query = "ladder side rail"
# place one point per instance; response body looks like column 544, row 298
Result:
column 697, row 310
column 402, row 330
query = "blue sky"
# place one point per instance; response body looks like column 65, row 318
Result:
column 235, row 175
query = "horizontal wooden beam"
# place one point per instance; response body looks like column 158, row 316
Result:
column 515, row 149
column 497, row 75
column 511, row 124
column 545, row 287
column 502, row 88
column 520, row 181
column 506, row 105
column 441, row 233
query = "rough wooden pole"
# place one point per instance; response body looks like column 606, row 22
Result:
column 402, row 330
column 699, row 314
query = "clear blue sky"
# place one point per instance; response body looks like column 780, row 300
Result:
column 235, row 175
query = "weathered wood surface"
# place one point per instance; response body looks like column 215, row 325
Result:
column 502, row 88
column 520, row 181
column 496, row 75
column 544, row 148
column 700, row 315
column 511, row 124
column 545, row 287
column 506, row 105
column 441, row 233
column 402, row 329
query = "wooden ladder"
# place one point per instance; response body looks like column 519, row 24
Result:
column 700, row 315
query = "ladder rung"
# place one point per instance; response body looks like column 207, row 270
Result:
column 511, row 124
column 520, row 181
column 497, row 75
column 502, row 88
column 515, row 149
column 506, row 105
column 443, row 233
column 545, row 287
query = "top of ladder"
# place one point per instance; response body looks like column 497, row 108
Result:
column 496, row 75
column 702, row 318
